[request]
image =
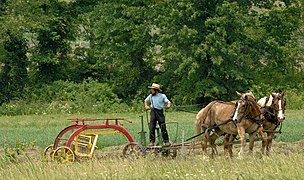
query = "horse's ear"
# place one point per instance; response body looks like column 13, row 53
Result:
column 273, row 95
column 282, row 93
column 251, row 94
column 239, row 94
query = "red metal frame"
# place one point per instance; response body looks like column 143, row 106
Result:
column 83, row 126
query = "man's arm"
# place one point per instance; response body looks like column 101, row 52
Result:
column 167, row 102
column 147, row 107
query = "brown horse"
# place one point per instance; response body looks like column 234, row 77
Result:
column 273, row 110
column 234, row 118
column 204, row 122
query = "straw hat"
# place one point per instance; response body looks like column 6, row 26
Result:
column 155, row 86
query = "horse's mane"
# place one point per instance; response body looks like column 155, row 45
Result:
column 264, row 103
column 249, row 94
column 228, row 103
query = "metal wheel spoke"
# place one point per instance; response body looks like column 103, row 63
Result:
column 133, row 150
column 63, row 154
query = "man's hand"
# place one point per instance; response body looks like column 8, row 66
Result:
column 147, row 108
column 168, row 106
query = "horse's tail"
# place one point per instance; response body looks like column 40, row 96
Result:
column 201, row 116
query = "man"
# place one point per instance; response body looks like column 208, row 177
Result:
column 156, row 102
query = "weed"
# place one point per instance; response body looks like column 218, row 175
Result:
column 11, row 153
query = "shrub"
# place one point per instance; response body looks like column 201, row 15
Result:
column 294, row 99
column 90, row 96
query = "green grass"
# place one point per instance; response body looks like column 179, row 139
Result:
column 293, row 126
column 44, row 128
column 286, row 160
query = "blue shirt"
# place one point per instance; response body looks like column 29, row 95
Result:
column 157, row 101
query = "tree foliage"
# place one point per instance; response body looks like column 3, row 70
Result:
column 122, row 41
column 197, row 50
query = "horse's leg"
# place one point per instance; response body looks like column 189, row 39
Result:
column 198, row 126
column 241, row 132
column 251, row 142
column 212, row 140
column 269, row 143
column 227, row 145
column 228, row 140
column 264, row 143
column 204, row 143
column 198, row 129
column 231, row 139
column 261, row 133
column 263, row 138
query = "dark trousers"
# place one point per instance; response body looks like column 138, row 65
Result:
column 158, row 116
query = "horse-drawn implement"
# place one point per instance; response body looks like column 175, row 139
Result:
column 80, row 138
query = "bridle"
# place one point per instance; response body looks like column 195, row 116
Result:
column 280, row 98
column 273, row 112
column 245, row 112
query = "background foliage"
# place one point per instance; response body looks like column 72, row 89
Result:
column 101, row 55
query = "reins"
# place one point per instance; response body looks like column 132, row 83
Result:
column 208, row 129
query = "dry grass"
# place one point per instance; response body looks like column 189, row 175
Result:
column 285, row 162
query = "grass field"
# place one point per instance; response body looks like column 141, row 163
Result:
column 286, row 160
column 43, row 129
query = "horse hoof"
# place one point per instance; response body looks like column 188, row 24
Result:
column 240, row 156
column 205, row 158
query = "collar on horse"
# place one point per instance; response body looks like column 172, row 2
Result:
column 256, row 118
column 270, row 111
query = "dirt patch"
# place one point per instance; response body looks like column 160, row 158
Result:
column 284, row 148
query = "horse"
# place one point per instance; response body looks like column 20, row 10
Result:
column 233, row 118
column 204, row 122
column 273, row 110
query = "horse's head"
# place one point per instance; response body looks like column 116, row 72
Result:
column 246, row 107
column 278, row 105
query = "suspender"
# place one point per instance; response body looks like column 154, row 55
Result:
column 152, row 101
column 152, row 104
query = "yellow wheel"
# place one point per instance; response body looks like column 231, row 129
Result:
column 63, row 154
column 47, row 152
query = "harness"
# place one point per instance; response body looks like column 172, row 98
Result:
column 256, row 118
column 270, row 112
column 270, row 115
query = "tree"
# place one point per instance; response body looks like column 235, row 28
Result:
column 13, row 60
column 123, row 39
column 84, row 64
column 51, row 54
column 212, row 48
column 282, row 24
column 13, row 74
